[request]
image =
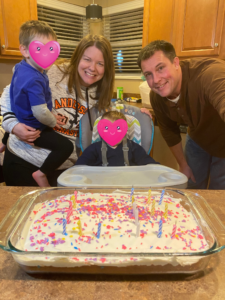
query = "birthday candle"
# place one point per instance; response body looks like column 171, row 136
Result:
column 134, row 208
column 166, row 211
column 70, row 212
column 64, row 226
column 174, row 230
column 131, row 193
column 161, row 198
column 153, row 208
column 99, row 230
column 138, row 230
column 75, row 199
column 132, row 199
column 149, row 196
column 79, row 227
column 136, row 214
column 70, row 205
column 160, row 229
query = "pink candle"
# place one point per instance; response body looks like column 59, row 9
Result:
column 70, row 205
column 70, row 212
column 174, row 230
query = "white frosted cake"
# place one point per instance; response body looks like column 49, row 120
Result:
column 95, row 225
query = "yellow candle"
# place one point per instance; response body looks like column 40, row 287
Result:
column 149, row 196
column 74, row 203
column 132, row 199
column 166, row 211
column 75, row 199
column 72, row 198
column 153, row 208
column 79, row 227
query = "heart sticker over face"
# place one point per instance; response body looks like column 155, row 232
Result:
column 44, row 55
column 112, row 133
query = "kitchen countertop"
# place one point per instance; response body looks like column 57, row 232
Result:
column 16, row 284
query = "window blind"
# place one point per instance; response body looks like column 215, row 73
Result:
column 124, row 31
column 122, row 25
column 69, row 27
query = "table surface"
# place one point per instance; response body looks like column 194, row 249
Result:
column 16, row 284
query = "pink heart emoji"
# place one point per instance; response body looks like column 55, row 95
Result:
column 112, row 133
column 44, row 55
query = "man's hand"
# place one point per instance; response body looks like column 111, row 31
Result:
column 146, row 111
column 26, row 133
column 186, row 170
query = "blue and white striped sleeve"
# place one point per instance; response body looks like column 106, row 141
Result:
column 9, row 118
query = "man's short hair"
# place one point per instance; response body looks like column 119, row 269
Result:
column 30, row 29
column 157, row 45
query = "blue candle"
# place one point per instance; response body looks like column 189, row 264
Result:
column 161, row 198
column 64, row 226
column 131, row 194
column 160, row 229
column 99, row 230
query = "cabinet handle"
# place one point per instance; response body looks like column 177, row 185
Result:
column 216, row 45
column 3, row 46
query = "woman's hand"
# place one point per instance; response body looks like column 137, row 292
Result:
column 146, row 111
column 26, row 133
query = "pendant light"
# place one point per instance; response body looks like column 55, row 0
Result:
column 94, row 12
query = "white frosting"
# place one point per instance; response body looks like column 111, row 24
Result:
column 44, row 232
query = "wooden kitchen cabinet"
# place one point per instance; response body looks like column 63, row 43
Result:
column 194, row 27
column 13, row 13
column 158, row 22
column 199, row 29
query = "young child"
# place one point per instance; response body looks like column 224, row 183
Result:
column 31, row 100
column 115, row 155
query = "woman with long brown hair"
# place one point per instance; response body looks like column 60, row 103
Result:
column 76, row 85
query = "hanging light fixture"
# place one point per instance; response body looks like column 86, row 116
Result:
column 94, row 12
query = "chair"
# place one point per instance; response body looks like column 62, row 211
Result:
column 140, row 126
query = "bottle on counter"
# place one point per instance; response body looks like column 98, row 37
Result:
column 120, row 93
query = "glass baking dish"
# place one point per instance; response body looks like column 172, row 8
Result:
column 12, row 226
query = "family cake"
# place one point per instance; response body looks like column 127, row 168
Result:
column 112, row 230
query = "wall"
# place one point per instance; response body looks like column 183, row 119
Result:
column 107, row 3
column 129, row 85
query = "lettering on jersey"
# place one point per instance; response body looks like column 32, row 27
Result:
column 63, row 101
column 70, row 103
column 67, row 132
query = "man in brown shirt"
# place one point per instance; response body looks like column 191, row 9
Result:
column 190, row 92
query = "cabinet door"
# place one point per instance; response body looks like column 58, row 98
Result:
column 159, row 20
column 199, row 27
column 13, row 13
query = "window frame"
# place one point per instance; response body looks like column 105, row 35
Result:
column 72, row 8
column 125, row 7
